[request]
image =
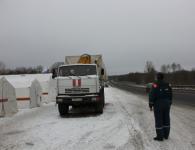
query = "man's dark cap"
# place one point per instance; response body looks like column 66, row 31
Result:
column 160, row 76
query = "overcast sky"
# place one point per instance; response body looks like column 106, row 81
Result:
column 126, row 32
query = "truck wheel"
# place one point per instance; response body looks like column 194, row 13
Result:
column 100, row 104
column 102, row 96
column 99, row 107
column 63, row 109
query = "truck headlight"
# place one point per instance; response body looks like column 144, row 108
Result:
column 93, row 98
column 59, row 100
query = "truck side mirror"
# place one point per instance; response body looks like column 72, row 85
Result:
column 54, row 74
column 102, row 71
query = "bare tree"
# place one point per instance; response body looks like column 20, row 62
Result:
column 178, row 67
column 149, row 68
column 168, row 68
column 39, row 69
column 173, row 67
column 164, row 69
column 150, row 72
column 2, row 65
column 55, row 65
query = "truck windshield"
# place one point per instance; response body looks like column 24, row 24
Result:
column 77, row 70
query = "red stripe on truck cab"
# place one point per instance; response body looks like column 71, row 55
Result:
column 73, row 82
column 79, row 82
column 76, row 83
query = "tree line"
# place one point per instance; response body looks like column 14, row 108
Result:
column 20, row 70
column 174, row 74
column 28, row 70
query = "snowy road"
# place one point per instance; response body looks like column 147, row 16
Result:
column 125, row 124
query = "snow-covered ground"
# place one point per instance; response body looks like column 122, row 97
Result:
column 125, row 124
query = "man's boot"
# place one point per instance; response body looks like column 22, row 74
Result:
column 166, row 131
column 159, row 133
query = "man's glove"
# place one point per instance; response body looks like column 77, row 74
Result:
column 151, row 106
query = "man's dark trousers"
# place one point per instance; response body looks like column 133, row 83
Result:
column 162, row 118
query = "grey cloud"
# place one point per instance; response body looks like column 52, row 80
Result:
column 127, row 33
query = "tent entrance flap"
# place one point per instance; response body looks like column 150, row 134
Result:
column 8, row 104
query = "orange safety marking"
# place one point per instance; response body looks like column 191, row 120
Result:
column 3, row 99
column 45, row 93
column 23, row 98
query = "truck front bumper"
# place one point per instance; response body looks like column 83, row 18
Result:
column 77, row 100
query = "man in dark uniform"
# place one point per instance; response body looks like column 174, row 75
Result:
column 160, row 99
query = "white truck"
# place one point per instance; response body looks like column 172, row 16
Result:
column 80, row 82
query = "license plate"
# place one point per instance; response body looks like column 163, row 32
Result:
column 77, row 99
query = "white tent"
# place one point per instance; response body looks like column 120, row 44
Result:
column 8, row 104
column 35, row 94
column 26, row 88
column 22, row 88
column 44, row 80
column 48, row 86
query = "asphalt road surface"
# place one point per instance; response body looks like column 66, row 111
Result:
column 180, row 98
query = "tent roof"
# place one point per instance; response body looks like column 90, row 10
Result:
column 19, row 81
column 41, row 77
column 5, row 80
column 23, row 81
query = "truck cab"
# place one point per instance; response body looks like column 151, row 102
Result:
column 79, row 85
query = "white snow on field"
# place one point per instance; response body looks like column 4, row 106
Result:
column 125, row 124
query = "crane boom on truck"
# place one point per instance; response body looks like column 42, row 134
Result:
column 80, row 82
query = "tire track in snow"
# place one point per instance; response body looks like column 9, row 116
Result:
column 101, row 134
column 133, row 132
